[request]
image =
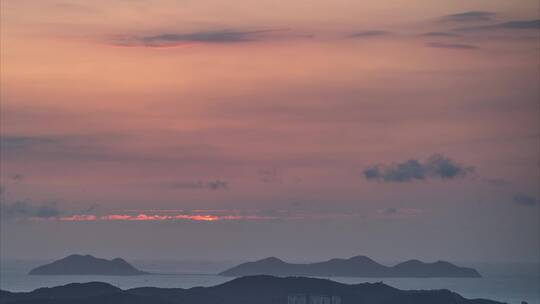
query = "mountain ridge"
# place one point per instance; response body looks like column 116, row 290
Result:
column 245, row 290
column 357, row 266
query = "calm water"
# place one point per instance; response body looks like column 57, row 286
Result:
column 511, row 283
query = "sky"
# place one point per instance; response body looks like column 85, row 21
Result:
column 299, row 129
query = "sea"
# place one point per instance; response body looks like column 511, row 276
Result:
column 509, row 283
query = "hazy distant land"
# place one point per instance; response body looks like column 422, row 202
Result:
column 246, row 290
column 87, row 265
column 358, row 266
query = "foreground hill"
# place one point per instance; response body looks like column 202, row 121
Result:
column 87, row 265
column 359, row 266
column 247, row 290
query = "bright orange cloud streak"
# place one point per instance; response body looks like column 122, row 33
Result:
column 226, row 215
column 158, row 217
column 79, row 218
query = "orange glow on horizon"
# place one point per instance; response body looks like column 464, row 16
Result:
column 201, row 216
column 157, row 217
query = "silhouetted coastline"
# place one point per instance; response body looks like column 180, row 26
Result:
column 251, row 289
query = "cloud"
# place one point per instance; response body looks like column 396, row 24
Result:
column 497, row 182
column 223, row 36
column 18, row 143
column 18, row 210
column 399, row 172
column 21, row 210
column 398, row 213
column 83, row 147
column 444, row 167
column 367, row 34
column 525, row 199
column 458, row 46
column 436, row 166
column 389, row 211
column 470, row 16
column 17, row 177
column 99, row 147
column 91, row 208
column 440, row 34
column 510, row 25
column 271, row 175
column 210, row 216
column 200, row 185
column 521, row 24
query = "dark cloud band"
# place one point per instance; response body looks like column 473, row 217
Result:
column 470, row 16
column 525, row 199
column 200, row 185
column 21, row 210
column 368, row 34
column 446, row 45
column 224, row 36
column 436, row 166
column 510, row 25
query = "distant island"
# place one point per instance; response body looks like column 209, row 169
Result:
column 87, row 265
column 246, row 290
column 358, row 266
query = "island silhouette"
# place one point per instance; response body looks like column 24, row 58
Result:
column 77, row 264
column 358, row 266
column 246, row 290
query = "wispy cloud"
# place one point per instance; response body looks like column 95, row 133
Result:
column 368, row 34
column 510, row 25
column 199, row 185
column 271, row 175
column 16, row 210
column 470, row 16
column 446, row 45
column 20, row 210
column 440, row 34
column 525, row 199
column 221, row 36
column 398, row 213
column 497, row 182
column 436, row 166
column 98, row 148
column 18, row 178
column 9, row 143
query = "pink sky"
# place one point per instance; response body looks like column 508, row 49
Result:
column 162, row 104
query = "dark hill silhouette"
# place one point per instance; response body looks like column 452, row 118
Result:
column 359, row 266
column 87, row 265
column 246, row 290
